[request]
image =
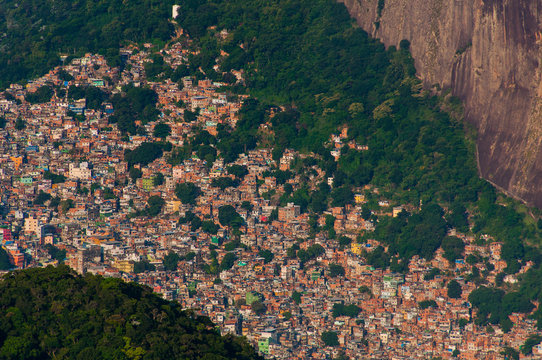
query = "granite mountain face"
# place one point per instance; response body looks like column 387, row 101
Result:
column 487, row 52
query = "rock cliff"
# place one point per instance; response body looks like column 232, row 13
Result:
column 487, row 52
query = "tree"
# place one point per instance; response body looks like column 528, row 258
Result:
column 346, row 310
column 42, row 198
column 296, row 297
column 170, row 261
column 106, row 305
column 336, row 270
column 228, row 261
column 228, row 216
column 427, row 303
column 42, row 95
column 56, row 253
column 142, row 266
column 66, row 205
column 162, row 130
column 135, row 174
column 224, row 182
column 258, row 307
column 189, row 116
column 158, row 179
column 209, row 226
column 510, row 353
column 454, row 289
column 55, row 178
column 4, row 260
column 330, row 338
column 453, row 248
column 247, row 205
column 267, row 255
column 455, row 353
column 155, row 204
column 531, row 342
column 20, row 124
column 187, row 192
column 239, row 171
column 144, row 154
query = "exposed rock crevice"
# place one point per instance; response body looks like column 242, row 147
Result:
column 487, row 52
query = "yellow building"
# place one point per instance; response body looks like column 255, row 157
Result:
column 124, row 266
column 147, row 184
column 17, row 160
column 356, row 248
column 359, row 198
column 172, row 206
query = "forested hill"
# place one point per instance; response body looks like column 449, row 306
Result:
column 35, row 33
column 54, row 313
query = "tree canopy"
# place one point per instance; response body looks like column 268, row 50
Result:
column 42, row 312
column 187, row 192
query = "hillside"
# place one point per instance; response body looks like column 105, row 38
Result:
column 54, row 313
column 35, row 34
column 487, row 53
column 333, row 75
column 312, row 73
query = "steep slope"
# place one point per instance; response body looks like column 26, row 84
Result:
column 487, row 52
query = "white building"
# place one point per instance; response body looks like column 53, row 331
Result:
column 81, row 172
column 175, row 11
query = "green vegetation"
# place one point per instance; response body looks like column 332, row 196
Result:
column 170, row 261
column 228, row 261
column 187, row 192
column 427, row 303
column 346, row 310
column 142, row 266
column 296, row 296
column 55, row 178
column 135, row 174
column 53, row 313
column 55, row 252
column 42, row 95
column 42, row 198
column 228, row 216
column 239, row 171
column 331, row 75
column 267, row 255
column 336, row 270
column 20, row 124
column 494, row 306
column 158, row 179
column 510, row 353
column 161, row 130
column 224, row 182
column 4, row 260
column 144, row 154
column 39, row 31
column 258, row 307
column 312, row 252
column 135, row 104
column 154, row 205
column 454, row 289
column 330, row 338
column 209, row 226
column 306, row 56
column 531, row 341
column 94, row 97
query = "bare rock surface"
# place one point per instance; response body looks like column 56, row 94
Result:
column 487, row 52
